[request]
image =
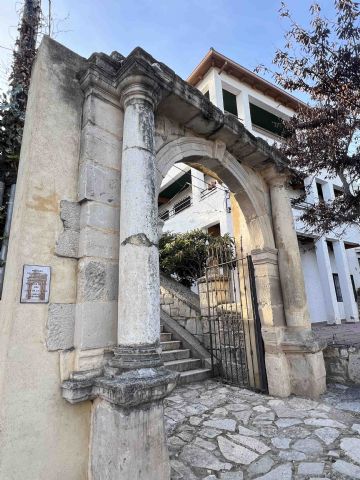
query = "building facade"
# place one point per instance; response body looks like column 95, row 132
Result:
column 190, row 199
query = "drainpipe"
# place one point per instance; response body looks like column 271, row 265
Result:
column 5, row 243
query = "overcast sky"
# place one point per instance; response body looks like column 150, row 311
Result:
column 176, row 32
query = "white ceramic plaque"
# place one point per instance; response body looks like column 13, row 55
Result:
column 35, row 284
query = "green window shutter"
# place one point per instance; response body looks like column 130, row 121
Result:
column 266, row 120
column 230, row 102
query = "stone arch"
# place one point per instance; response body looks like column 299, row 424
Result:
column 247, row 186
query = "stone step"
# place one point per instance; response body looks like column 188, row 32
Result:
column 197, row 375
column 183, row 365
column 172, row 345
column 165, row 337
column 169, row 356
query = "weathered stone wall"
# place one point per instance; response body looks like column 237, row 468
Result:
column 42, row 437
column 342, row 364
column 182, row 305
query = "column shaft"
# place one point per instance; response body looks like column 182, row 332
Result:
column 327, row 282
column 290, row 269
column 139, row 304
column 350, row 307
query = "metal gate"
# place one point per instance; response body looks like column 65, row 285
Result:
column 234, row 329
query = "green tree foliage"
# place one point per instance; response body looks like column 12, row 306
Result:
column 13, row 104
column 184, row 255
column 323, row 61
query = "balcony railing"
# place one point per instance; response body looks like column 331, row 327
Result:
column 177, row 208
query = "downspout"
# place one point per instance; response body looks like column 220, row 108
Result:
column 5, row 243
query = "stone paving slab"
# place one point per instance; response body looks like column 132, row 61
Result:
column 221, row 432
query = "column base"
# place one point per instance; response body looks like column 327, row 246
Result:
column 129, row 443
column 294, row 362
column 127, row 430
column 134, row 357
column 308, row 374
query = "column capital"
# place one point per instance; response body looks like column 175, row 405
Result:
column 139, row 89
column 275, row 177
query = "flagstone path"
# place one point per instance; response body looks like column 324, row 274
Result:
column 217, row 431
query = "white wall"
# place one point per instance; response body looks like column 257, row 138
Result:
column 204, row 212
column 313, row 285
column 214, row 83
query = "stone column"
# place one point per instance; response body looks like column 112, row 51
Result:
column 139, row 284
column 350, row 307
column 304, row 367
column 290, row 269
column 128, row 436
column 327, row 282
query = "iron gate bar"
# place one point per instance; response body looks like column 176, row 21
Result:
column 235, row 341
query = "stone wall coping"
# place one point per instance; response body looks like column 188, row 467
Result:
column 180, row 292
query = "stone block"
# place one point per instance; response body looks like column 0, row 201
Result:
column 67, row 244
column 67, row 365
column 98, row 243
column 103, row 114
column 308, row 375
column 100, row 215
column 278, row 374
column 126, row 443
column 97, row 280
column 60, row 326
column 354, row 367
column 96, row 324
column 99, row 183
column 101, row 147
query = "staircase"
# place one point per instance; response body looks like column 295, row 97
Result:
column 180, row 359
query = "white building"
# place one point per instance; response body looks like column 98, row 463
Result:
column 189, row 199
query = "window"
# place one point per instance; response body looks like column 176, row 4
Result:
column 353, row 286
column 359, row 261
column 230, row 102
column 320, row 191
column 337, row 287
column 338, row 192
column 207, row 95
column 164, row 215
column 214, row 231
column 184, row 203
column 266, row 120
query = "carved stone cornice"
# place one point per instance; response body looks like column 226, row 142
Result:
column 126, row 389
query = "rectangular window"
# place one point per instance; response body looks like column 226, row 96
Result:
column 320, row 191
column 338, row 192
column 266, row 120
column 353, row 286
column 214, row 231
column 229, row 102
column 185, row 203
column 337, row 287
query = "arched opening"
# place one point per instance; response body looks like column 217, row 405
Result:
column 251, row 224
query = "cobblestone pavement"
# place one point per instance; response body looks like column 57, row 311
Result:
column 222, row 432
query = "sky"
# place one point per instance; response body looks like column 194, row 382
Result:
column 176, row 32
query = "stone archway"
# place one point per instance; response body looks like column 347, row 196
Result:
column 293, row 359
column 107, row 333
column 248, row 188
